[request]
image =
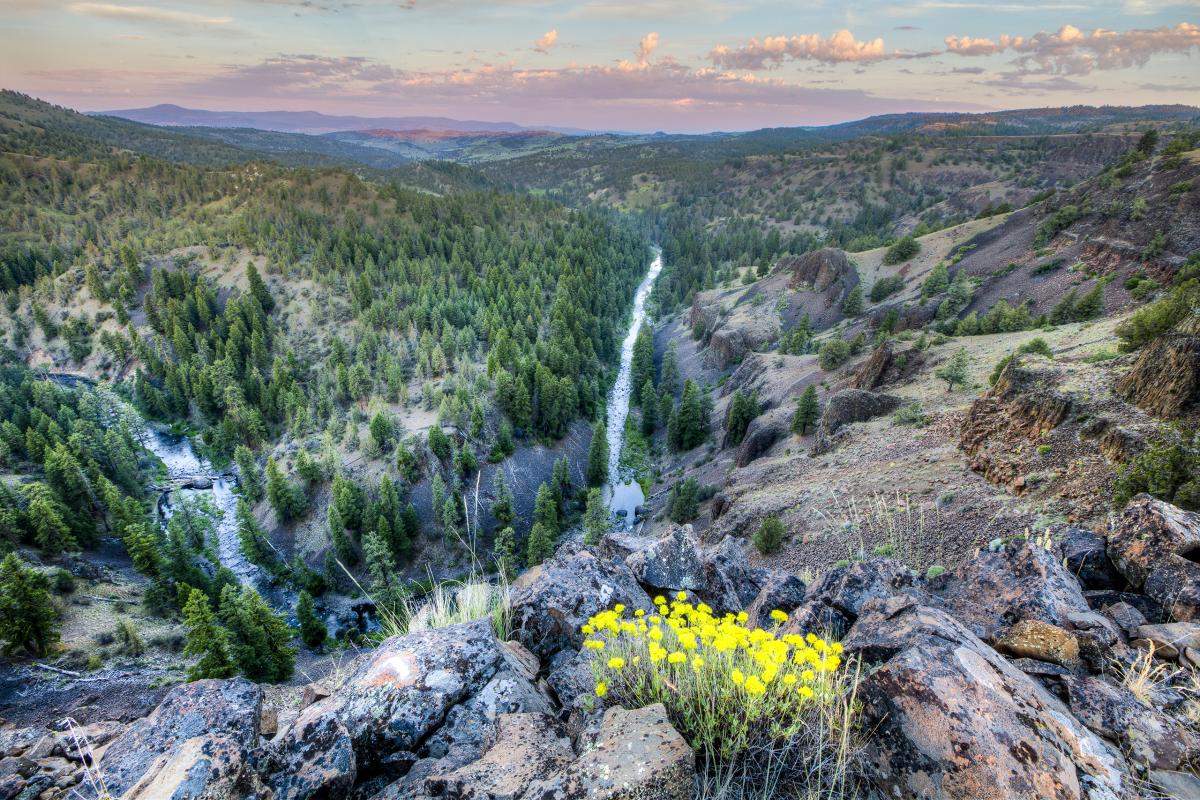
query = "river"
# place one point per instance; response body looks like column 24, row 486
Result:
column 623, row 493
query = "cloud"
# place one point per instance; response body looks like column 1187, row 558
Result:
column 547, row 40
column 1071, row 51
column 774, row 50
column 647, row 47
column 148, row 14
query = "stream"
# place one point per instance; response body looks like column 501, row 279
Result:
column 623, row 494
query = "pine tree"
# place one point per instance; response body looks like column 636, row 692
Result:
column 540, row 545
column 288, row 501
column 853, row 305
column 504, row 552
column 381, row 431
column 597, row 463
column 258, row 636
column 251, row 536
column 955, row 370
column 743, row 409
column 669, row 381
column 387, row 591
column 502, row 506
column 312, row 630
column 595, row 518
column 249, row 475
column 649, row 409
column 45, row 513
column 808, row 411
column 545, row 509
column 28, row 619
column 206, row 639
column 641, row 368
column 689, row 426
column 937, row 282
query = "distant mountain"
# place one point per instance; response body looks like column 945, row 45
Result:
column 309, row 121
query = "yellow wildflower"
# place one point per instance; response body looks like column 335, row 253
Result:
column 601, row 689
column 779, row 616
column 616, row 663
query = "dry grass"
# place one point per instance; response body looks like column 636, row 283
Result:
column 892, row 526
column 1143, row 676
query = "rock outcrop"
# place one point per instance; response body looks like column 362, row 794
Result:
column 1165, row 378
column 1156, row 546
column 846, row 407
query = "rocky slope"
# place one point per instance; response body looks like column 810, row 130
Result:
column 1042, row 639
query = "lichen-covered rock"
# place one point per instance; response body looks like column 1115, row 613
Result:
column 195, row 745
column 549, row 605
column 952, row 719
column 671, row 563
column 1001, row 588
column 1144, row 734
column 837, row 598
column 522, row 749
column 730, row 582
column 1155, row 545
column 1170, row 638
column 638, row 756
column 1086, row 555
column 1032, row 638
column 315, row 759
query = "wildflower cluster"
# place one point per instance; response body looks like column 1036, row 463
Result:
column 727, row 687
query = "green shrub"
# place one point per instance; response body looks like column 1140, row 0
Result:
column 1057, row 222
column 684, row 504
column 1153, row 320
column 886, row 287
column 934, row 571
column 910, row 414
column 28, row 618
column 833, row 354
column 1167, row 469
column 64, row 581
column 903, row 250
column 769, row 536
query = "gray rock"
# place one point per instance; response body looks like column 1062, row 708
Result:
column 522, row 749
column 551, row 602
column 314, row 759
column 195, row 744
column 638, row 756
column 782, row 591
column 1127, row 618
column 846, row 407
column 1154, row 544
column 1145, row 735
column 835, row 600
column 1086, row 555
column 671, row 563
column 1177, row 785
column 730, row 583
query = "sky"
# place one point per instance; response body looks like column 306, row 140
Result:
column 632, row 65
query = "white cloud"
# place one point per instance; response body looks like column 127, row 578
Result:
column 546, row 41
column 774, row 50
column 148, row 14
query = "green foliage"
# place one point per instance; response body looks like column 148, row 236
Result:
column 743, row 408
column 502, row 504
column 289, row 501
column 1055, row 224
column 595, row 518
column 684, row 503
column 808, row 411
column 833, row 354
column 954, row 372
column 597, row 460
column 853, row 305
column 669, row 379
column 886, row 287
column 540, row 544
column 1168, row 469
column 249, row 475
column 504, row 552
column 903, row 250
column 937, row 281
column 28, row 618
column 769, row 536
column 642, row 366
column 649, row 405
column 1153, row 320
column 258, row 637
column 206, row 640
column 312, row 629
column 910, row 414
column 688, row 427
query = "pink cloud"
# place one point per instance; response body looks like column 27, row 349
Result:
column 546, row 41
column 774, row 50
column 1072, row 51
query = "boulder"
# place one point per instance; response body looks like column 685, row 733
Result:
column 1146, row 736
column 314, row 759
column 195, row 744
column 1000, row 588
column 952, row 719
column 871, row 373
column 1156, row 545
column 1042, row 641
column 837, row 598
column 618, row 546
column 522, row 749
column 846, row 407
column 730, row 583
column 550, row 604
column 671, row 563
column 1170, row 638
column 1086, row 555
column 782, row 591
column 638, row 756
column 761, row 435
column 1125, row 616
column 1177, row 785
column 422, row 696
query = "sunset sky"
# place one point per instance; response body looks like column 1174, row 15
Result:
column 636, row 65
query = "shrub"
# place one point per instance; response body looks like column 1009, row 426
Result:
column 773, row 713
column 1155, row 319
column 28, row 618
column 833, row 354
column 1037, row 346
column 955, row 370
column 769, row 536
column 886, row 287
column 934, row 571
column 131, row 643
column 64, row 581
column 910, row 414
column 852, row 306
column 902, row 251
column 685, row 501
column 1168, row 469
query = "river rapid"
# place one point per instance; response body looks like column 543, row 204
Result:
column 623, row 494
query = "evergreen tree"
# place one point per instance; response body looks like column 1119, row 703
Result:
column 669, row 381
column 853, row 305
column 502, row 505
column 312, row 630
column 545, row 509
column 688, row 427
column 649, row 409
column 288, row 501
column 439, row 443
column 595, row 518
column 504, row 551
column 540, row 545
column 743, row 409
column 808, row 411
column 597, row 464
column 769, row 536
column 937, row 281
column 1091, row 305
column 249, row 475
column 206, row 639
column 251, row 536
column 337, row 536
column 641, row 368
column 381, row 431
column 258, row 636
column 387, row 591
column 955, row 370
column 28, row 619
column 45, row 513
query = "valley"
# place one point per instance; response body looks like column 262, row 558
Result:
column 355, row 445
